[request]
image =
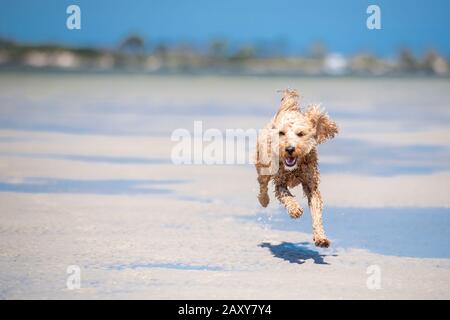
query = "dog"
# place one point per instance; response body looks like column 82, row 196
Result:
column 289, row 144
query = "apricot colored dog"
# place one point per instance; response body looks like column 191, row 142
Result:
column 287, row 154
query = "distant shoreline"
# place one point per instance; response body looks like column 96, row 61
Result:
column 59, row 71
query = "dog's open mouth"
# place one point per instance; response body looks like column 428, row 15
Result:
column 290, row 161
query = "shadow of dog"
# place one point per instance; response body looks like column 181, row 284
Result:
column 295, row 252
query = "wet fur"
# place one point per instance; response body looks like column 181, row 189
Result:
column 303, row 130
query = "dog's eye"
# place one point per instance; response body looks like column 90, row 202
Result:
column 300, row 134
column 281, row 133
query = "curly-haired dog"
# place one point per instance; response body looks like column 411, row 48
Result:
column 287, row 154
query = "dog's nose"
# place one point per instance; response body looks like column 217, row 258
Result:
column 290, row 149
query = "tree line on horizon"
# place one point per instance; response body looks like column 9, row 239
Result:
column 133, row 53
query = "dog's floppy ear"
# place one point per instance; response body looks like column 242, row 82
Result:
column 325, row 127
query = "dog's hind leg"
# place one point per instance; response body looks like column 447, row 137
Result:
column 263, row 196
column 288, row 200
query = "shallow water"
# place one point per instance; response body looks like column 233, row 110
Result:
column 143, row 265
column 111, row 187
column 406, row 232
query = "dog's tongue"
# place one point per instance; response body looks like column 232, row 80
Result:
column 290, row 161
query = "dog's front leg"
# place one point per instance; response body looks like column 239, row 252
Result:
column 315, row 207
column 288, row 200
column 263, row 196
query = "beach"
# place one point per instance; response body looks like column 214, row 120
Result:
column 87, row 180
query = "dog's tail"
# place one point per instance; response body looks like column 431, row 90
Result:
column 289, row 101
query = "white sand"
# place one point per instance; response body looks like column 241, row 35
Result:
column 119, row 241
column 195, row 242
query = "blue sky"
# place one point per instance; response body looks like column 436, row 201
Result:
column 341, row 25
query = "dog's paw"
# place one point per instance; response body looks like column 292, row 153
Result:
column 263, row 199
column 322, row 242
column 295, row 213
